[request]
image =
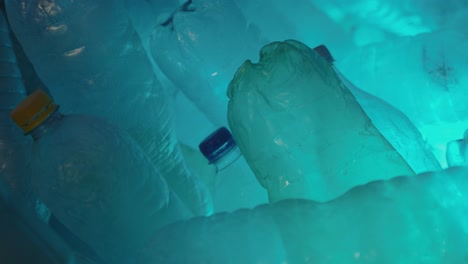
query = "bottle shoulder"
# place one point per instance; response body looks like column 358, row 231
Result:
column 79, row 127
column 81, row 141
column 227, row 159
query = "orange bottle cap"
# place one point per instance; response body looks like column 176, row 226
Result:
column 33, row 110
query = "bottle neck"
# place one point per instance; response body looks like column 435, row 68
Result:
column 46, row 125
column 227, row 159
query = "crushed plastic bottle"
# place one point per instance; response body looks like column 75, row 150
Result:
column 235, row 185
column 301, row 130
column 95, row 178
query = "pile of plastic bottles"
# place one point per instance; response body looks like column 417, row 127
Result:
column 201, row 132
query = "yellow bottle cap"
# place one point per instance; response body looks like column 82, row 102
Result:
column 33, row 110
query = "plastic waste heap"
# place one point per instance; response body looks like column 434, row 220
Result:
column 301, row 130
column 235, row 186
column 92, row 60
column 96, row 179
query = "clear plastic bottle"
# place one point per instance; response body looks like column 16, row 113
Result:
column 95, row 63
column 15, row 178
column 13, row 146
column 198, row 49
column 235, row 186
column 302, row 131
column 95, row 179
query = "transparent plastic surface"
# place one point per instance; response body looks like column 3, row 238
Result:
column 457, row 154
column 387, row 19
column 277, row 21
column 235, row 185
column 92, row 60
column 396, row 128
column 197, row 162
column 423, row 76
column 417, row 219
column 301, row 130
column 101, row 185
column 199, row 50
column 13, row 146
column 392, row 123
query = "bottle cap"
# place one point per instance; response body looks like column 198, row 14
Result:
column 323, row 51
column 33, row 110
column 217, row 144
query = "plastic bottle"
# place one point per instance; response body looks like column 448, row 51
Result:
column 16, row 177
column 13, row 146
column 191, row 125
column 92, row 60
column 422, row 76
column 235, row 186
column 418, row 219
column 301, row 130
column 197, row 163
column 15, row 180
column 391, row 122
column 188, row 51
column 95, row 179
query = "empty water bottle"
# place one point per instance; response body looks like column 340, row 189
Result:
column 235, row 186
column 95, row 179
column 13, row 146
column 301, row 129
column 94, row 63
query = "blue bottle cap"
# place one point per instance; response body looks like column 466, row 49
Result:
column 217, row 144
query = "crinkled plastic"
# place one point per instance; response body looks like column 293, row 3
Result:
column 115, row 205
column 191, row 124
column 423, row 76
column 397, row 129
column 418, row 219
column 392, row 123
column 200, row 50
column 301, row 130
column 92, row 60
